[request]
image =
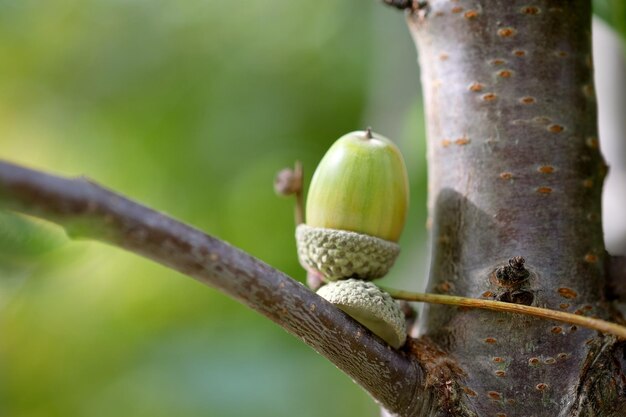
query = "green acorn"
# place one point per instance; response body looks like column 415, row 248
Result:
column 356, row 209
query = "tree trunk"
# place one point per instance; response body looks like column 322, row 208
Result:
column 515, row 170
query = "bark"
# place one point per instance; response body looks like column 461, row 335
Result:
column 86, row 210
column 515, row 170
column 616, row 285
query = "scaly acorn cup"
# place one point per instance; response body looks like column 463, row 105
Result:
column 356, row 209
column 370, row 306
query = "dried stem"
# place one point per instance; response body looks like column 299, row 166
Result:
column 291, row 182
column 545, row 313
column 299, row 194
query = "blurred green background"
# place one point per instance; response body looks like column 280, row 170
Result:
column 189, row 107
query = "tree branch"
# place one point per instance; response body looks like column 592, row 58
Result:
column 87, row 210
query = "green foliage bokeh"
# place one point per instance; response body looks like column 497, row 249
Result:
column 189, row 107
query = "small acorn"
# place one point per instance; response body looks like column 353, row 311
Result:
column 356, row 209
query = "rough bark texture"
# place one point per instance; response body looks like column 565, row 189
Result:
column 86, row 210
column 515, row 170
column 616, row 279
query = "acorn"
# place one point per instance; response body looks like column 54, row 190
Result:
column 356, row 209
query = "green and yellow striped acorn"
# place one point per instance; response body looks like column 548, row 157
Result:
column 356, row 209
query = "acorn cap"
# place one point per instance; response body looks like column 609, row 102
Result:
column 340, row 254
column 370, row 306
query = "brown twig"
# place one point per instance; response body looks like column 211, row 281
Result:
column 299, row 193
column 291, row 182
column 88, row 210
